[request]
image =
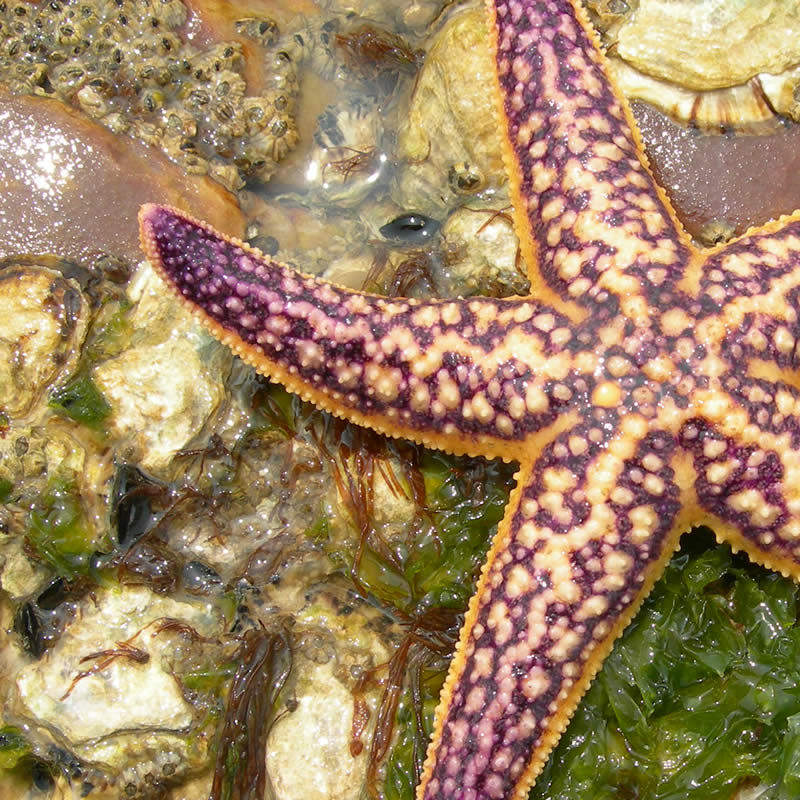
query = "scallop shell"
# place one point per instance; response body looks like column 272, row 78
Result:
column 711, row 63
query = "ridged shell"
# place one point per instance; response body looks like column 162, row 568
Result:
column 711, row 63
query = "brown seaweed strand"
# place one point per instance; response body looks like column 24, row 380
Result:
column 265, row 662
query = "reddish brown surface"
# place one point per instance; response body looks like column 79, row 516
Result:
column 73, row 188
column 745, row 180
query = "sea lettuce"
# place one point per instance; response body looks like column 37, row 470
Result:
column 699, row 697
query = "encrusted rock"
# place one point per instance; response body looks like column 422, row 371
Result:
column 448, row 145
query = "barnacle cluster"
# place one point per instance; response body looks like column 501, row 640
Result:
column 125, row 64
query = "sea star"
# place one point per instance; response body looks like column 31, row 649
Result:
column 645, row 386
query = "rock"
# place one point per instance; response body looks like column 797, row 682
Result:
column 167, row 384
column 448, row 145
column 73, row 188
column 106, row 689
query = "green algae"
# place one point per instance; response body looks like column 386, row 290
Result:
column 60, row 532
column 14, row 747
column 80, row 400
column 699, row 698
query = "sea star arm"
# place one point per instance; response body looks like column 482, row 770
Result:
column 475, row 376
column 747, row 480
column 745, row 439
column 743, row 428
column 590, row 217
column 587, row 532
column 757, row 275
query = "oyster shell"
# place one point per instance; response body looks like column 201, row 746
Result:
column 319, row 728
column 321, row 722
column 715, row 64
column 482, row 253
column 414, row 15
column 43, row 320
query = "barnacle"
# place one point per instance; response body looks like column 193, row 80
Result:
column 127, row 65
column 262, row 29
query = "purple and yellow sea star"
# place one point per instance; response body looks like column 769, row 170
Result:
column 644, row 387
